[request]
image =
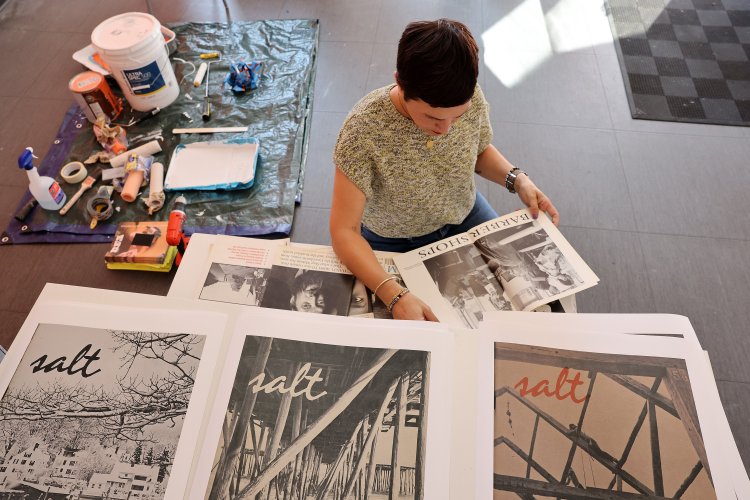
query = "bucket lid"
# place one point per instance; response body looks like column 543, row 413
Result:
column 126, row 32
column 86, row 81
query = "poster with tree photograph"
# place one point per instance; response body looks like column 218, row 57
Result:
column 96, row 413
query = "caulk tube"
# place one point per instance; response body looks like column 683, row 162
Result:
column 148, row 149
column 44, row 189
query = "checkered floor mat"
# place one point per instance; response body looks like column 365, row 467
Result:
column 685, row 60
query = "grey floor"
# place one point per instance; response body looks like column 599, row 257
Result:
column 657, row 209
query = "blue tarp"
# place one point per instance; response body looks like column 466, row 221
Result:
column 277, row 113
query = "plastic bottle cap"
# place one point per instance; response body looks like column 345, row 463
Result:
column 26, row 159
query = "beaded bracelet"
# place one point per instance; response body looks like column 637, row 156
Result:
column 396, row 298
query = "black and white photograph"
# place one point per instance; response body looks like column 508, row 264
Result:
column 309, row 291
column 467, row 283
column 95, row 413
column 361, row 303
column 317, row 421
column 531, row 267
column 235, row 284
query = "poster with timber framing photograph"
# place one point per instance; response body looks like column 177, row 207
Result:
column 586, row 412
column 329, row 419
column 602, row 423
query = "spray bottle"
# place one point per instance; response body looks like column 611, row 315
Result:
column 44, row 189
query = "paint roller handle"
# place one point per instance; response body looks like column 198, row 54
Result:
column 206, row 109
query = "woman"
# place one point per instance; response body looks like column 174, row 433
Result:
column 406, row 157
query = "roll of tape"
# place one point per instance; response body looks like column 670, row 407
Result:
column 106, row 209
column 74, row 172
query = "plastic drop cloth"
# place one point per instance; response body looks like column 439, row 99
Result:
column 277, row 113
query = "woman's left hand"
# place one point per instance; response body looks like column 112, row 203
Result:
column 535, row 199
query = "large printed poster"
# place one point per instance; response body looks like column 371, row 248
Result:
column 319, row 421
column 574, row 424
column 95, row 413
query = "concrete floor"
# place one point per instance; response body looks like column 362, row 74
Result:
column 655, row 208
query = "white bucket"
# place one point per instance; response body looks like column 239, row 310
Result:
column 133, row 46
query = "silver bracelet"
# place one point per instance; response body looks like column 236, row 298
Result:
column 510, row 179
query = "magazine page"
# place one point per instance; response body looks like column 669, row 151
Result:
column 99, row 400
column 562, row 413
column 532, row 260
column 308, row 278
column 326, row 407
column 452, row 277
column 227, row 269
column 510, row 263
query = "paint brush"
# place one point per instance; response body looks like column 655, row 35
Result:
column 85, row 186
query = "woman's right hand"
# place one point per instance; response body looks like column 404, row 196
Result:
column 411, row 307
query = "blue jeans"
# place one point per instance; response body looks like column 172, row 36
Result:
column 482, row 212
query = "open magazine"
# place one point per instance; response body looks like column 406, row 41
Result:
column 512, row 263
column 275, row 274
column 115, row 395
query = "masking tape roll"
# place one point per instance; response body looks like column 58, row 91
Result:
column 74, row 172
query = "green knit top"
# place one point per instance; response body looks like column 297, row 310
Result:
column 413, row 183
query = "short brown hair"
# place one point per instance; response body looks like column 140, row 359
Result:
column 438, row 62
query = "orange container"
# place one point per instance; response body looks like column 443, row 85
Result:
column 93, row 95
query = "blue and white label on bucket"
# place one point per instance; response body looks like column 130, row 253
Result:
column 145, row 80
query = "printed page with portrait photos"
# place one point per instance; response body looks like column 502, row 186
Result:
column 226, row 269
column 310, row 279
column 512, row 263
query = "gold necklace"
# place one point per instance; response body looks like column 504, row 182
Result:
column 430, row 142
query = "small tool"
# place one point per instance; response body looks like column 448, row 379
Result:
column 85, row 186
column 25, row 210
column 206, row 108
column 176, row 227
column 176, row 224
column 146, row 116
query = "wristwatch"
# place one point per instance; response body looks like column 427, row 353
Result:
column 510, row 179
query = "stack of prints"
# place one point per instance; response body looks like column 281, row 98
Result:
column 114, row 395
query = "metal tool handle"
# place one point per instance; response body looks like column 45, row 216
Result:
column 206, row 109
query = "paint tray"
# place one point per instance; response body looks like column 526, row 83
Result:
column 213, row 165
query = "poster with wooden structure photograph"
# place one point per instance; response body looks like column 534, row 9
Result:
column 308, row 420
column 586, row 425
column 600, row 407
